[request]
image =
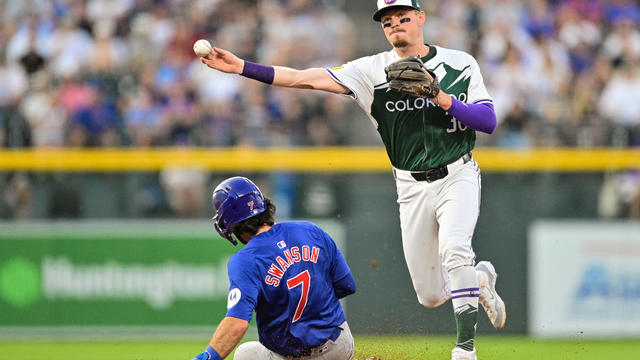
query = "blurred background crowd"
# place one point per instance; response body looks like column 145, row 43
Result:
column 562, row 73
column 122, row 73
column 86, row 73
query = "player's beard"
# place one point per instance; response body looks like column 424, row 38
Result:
column 399, row 43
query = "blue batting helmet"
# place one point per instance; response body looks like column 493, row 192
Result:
column 235, row 199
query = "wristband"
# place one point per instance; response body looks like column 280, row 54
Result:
column 258, row 72
column 213, row 355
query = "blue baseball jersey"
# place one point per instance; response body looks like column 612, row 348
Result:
column 287, row 276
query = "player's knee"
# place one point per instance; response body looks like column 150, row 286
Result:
column 431, row 300
column 247, row 351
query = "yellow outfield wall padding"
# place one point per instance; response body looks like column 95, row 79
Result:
column 311, row 159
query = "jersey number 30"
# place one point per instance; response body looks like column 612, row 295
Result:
column 301, row 279
column 456, row 125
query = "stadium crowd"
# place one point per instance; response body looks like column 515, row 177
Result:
column 86, row 73
column 112, row 73
column 123, row 73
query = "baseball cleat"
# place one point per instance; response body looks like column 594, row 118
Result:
column 489, row 298
column 461, row 354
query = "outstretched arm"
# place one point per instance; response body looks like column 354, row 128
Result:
column 227, row 336
column 314, row 78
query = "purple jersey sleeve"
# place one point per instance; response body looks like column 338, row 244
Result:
column 243, row 289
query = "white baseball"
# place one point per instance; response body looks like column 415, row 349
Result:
column 202, row 48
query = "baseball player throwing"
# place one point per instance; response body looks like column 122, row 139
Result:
column 292, row 275
column 426, row 102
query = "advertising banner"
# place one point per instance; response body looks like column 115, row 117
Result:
column 139, row 278
column 117, row 273
column 584, row 279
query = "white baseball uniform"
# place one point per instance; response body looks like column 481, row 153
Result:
column 438, row 182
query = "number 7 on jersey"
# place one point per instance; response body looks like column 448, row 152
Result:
column 304, row 279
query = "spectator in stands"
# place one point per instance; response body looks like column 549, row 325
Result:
column 141, row 51
column 624, row 84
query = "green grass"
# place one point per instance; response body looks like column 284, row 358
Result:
column 496, row 347
column 382, row 347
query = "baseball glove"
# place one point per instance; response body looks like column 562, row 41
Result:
column 410, row 76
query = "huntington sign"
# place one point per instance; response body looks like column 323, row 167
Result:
column 126, row 275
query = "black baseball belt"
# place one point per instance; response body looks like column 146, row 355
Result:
column 433, row 174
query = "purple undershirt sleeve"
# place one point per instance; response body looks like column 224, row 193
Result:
column 480, row 117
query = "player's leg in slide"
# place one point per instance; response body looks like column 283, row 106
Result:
column 341, row 349
column 253, row 350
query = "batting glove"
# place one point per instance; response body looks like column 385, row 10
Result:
column 204, row 356
column 209, row 354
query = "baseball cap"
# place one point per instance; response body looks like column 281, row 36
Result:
column 385, row 4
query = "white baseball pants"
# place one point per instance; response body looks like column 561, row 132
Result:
column 341, row 349
column 437, row 221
